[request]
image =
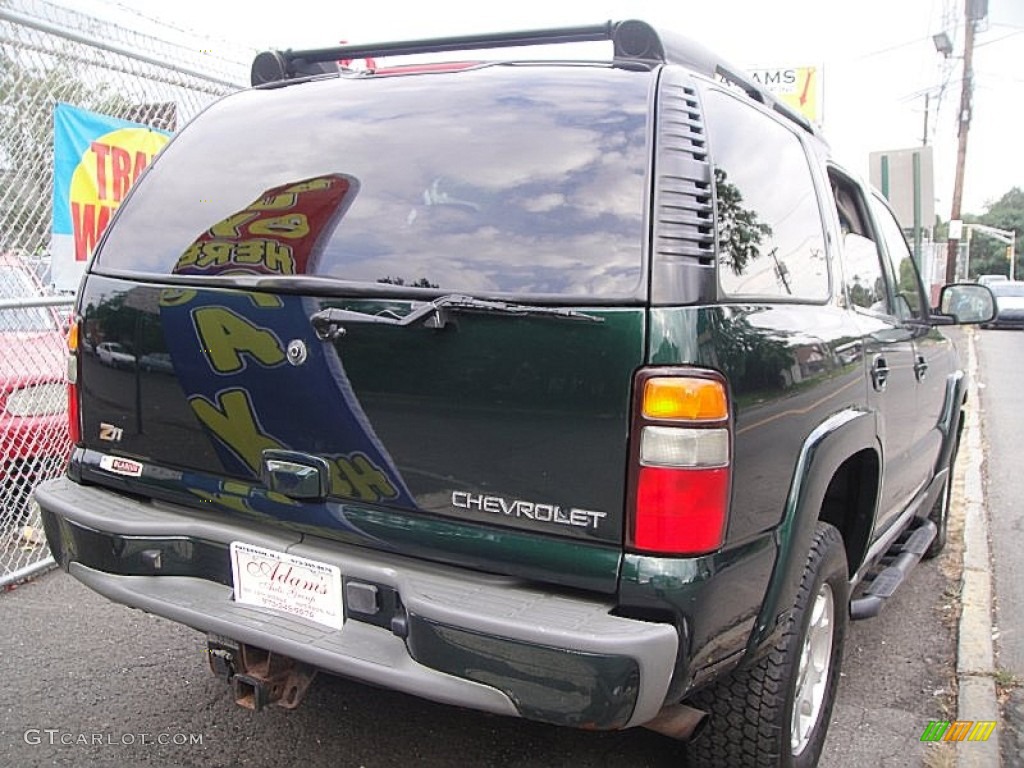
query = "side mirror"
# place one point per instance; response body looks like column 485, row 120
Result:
column 965, row 303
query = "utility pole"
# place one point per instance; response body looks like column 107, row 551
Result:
column 971, row 15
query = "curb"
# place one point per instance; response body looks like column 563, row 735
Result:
column 975, row 657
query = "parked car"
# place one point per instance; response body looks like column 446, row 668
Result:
column 157, row 361
column 34, row 439
column 550, row 389
column 115, row 355
column 990, row 279
column 1009, row 297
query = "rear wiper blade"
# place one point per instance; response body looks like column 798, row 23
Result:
column 328, row 323
column 471, row 304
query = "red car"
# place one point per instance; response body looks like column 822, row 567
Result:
column 34, row 442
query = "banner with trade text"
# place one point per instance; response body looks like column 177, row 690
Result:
column 96, row 160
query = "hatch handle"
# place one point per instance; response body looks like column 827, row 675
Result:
column 296, row 475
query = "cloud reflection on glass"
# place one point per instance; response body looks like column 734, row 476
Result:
column 475, row 181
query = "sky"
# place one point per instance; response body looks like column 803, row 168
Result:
column 877, row 58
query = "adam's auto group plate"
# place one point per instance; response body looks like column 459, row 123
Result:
column 294, row 585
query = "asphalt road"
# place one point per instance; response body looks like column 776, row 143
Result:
column 1002, row 400
column 77, row 668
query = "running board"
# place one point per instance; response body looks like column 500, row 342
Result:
column 889, row 580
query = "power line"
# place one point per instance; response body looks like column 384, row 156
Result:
column 1020, row 31
column 891, row 48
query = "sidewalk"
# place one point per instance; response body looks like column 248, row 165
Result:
column 975, row 659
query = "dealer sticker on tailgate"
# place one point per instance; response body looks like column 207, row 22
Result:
column 287, row 583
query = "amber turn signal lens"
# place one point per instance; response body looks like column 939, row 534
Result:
column 691, row 399
column 73, row 337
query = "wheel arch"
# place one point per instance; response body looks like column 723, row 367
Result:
column 843, row 444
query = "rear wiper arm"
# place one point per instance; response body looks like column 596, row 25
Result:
column 328, row 323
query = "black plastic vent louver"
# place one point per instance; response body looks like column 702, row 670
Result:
column 684, row 220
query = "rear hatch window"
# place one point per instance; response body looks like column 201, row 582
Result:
column 522, row 180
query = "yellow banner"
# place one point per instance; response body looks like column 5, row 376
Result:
column 797, row 87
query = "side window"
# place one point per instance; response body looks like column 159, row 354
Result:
column 769, row 228
column 866, row 280
column 864, row 274
column 900, row 263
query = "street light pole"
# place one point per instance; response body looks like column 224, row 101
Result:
column 1013, row 251
column 1006, row 236
column 967, row 259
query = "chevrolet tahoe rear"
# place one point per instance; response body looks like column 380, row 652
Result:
column 533, row 387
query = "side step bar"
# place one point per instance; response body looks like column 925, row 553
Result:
column 889, row 580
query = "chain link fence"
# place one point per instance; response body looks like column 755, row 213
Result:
column 122, row 65
column 51, row 54
column 34, row 442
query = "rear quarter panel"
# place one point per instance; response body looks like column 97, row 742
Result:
column 789, row 367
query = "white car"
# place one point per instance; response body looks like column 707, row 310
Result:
column 1009, row 304
column 989, row 279
column 115, row 355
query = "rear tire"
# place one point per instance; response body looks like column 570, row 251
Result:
column 776, row 712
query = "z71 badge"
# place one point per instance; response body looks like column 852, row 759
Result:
column 110, row 433
column 539, row 512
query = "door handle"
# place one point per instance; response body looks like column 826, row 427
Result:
column 920, row 367
column 879, row 373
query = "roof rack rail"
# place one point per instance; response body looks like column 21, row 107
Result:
column 633, row 40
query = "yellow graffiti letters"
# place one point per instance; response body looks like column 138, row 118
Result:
column 356, row 477
column 277, row 202
column 176, row 297
column 233, row 421
column 270, row 254
column 311, row 185
column 291, row 225
column 265, row 300
column 226, row 336
column 231, row 227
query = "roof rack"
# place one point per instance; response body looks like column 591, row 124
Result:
column 633, row 41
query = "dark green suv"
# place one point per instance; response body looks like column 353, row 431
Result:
column 589, row 392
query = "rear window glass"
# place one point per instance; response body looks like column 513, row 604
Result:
column 505, row 179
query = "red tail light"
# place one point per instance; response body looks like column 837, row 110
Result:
column 681, row 446
column 74, row 420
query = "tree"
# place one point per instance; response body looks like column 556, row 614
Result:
column 988, row 256
column 740, row 231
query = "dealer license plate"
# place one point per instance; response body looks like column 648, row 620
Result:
column 294, row 585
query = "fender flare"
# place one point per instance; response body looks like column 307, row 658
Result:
column 831, row 443
column 956, row 397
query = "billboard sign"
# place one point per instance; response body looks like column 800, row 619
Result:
column 903, row 175
column 797, row 87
